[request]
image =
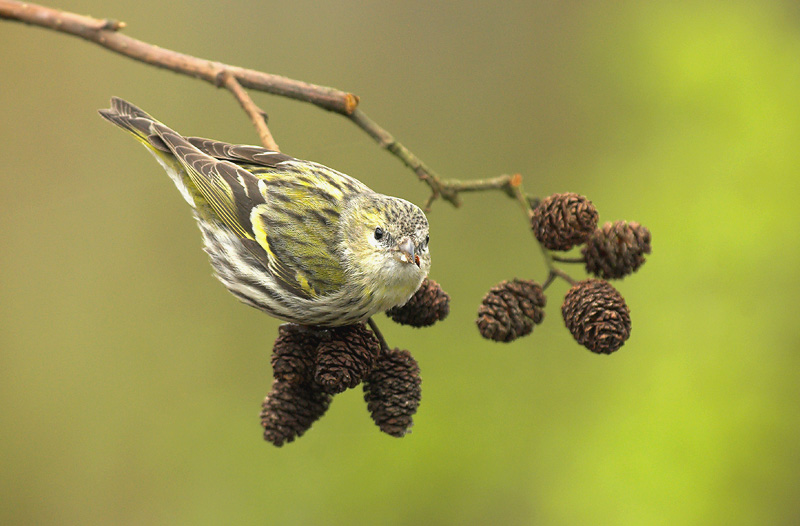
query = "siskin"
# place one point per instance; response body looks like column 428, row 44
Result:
column 295, row 239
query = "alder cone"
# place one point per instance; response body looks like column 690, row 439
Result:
column 290, row 409
column 561, row 221
column 510, row 310
column 616, row 249
column 427, row 306
column 597, row 316
column 293, row 353
column 344, row 357
column 392, row 391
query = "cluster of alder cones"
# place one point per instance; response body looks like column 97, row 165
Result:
column 310, row 365
column 593, row 310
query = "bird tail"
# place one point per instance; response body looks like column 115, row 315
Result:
column 143, row 127
column 136, row 122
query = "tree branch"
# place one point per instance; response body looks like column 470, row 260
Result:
column 255, row 113
column 104, row 33
column 386, row 141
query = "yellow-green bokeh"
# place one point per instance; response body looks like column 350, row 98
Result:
column 131, row 381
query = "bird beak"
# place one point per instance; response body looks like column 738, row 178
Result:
column 405, row 252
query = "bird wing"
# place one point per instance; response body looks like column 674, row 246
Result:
column 285, row 217
column 239, row 153
column 269, row 164
column 305, row 244
column 299, row 221
column 229, row 190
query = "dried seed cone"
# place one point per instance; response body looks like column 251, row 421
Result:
column 510, row 309
column 293, row 353
column 392, row 391
column 597, row 316
column 427, row 306
column 617, row 249
column 289, row 410
column 562, row 221
column 345, row 357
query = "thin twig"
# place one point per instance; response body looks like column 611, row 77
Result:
column 255, row 113
column 425, row 174
column 556, row 273
column 378, row 334
column 551, row 277
column 563, row 275
column 563, row 259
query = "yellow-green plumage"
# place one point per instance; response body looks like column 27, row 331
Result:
column 301, row 241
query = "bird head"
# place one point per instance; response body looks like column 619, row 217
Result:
column 386, row 243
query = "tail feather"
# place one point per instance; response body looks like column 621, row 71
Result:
column 146, row 130
column 135, row 121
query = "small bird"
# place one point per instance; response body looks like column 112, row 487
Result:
column 295, row 239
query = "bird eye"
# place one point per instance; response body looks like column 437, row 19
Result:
column 378, row 233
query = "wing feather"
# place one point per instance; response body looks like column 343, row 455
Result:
column 278, row 207
column 231, row 191
column 285, row 211
column 239, row 153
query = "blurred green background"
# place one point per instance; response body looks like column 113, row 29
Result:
column 131, row 381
